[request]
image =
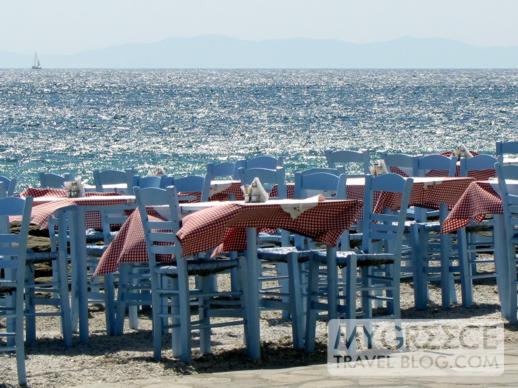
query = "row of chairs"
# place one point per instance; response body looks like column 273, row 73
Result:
column 301, row 178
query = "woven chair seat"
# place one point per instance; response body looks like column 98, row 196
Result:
column 201, row 267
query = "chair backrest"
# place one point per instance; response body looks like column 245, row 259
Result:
column 268, row 177
column 219, row 170
column 345, row 160
column 506, row 147
column 401, row 164
column 386, row 227
column 114, row 177
column 480, row 164
column 329, row 185
column 507, row 173
column 333, row 171
column 145, row 182
column 54, row 181
column 8, row 184
column 13, row 247
column 437, row 165
column 264, row 161
column 160, row 232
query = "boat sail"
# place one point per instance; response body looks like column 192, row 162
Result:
column 37, row 64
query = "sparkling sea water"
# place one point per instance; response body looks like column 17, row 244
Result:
column 81, row 120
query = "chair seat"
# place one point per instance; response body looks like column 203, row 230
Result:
column 363, row 259
column 95, row 250
column 7, row 286
column 38, row 257
column 201, row 267
column 280, row 254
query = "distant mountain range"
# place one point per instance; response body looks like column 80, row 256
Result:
column 222, row 52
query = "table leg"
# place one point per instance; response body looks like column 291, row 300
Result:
column 252, row 299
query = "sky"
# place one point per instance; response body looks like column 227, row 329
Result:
column 69, row 26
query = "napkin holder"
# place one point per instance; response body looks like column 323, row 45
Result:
column 75, row 188
column 378, row 168
column 255, row 192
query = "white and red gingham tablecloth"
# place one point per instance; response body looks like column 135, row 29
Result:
column 223, row 228
column 479, row 200
column 48, row 200
column 427, row 192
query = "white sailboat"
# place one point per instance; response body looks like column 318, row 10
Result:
column 37, row 64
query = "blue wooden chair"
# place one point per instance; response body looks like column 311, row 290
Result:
column 114, row 177
column 170, row 281
column 191, row 184
column 478, row 238
column 400, row 162
column 295, row 256
column 268, row 177
column 227, row 170
column 54, row 181
column 263, row 161
column 376, row 265
column 506, row 148
column 478, row 163
column 101, row 290
column 9, row 185
column 438, row 164
column 345, row 160
column 433, row 247
column 505, row 174
column 52, row 290
column 218, row 170
column 13, row 252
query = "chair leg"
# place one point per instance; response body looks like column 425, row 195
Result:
column 64, row 301
column 282, row 270
column 311, row 315
column 133, row 308
column 20, row 347
column 109, row 297
column 234, row 275
column 350, row 286
column 205, row 331
column 29, row 306
column 175, row 312
column 296, row 301
column 121, row 299
column 332, row 283
column 185, row 313
column 156, row 320
column 465, row 269
column 365, row 294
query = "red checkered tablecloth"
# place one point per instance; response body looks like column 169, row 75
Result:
column 42, row 212
column 426, row 192
column 478, row 200
column 224, row 228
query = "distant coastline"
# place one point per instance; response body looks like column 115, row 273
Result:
column 217, row 52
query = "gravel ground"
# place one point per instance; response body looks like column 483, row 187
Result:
column 113, row 359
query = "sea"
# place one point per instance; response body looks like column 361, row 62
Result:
column 81, row 120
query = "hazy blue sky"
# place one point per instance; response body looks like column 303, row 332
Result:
column 66, row 26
